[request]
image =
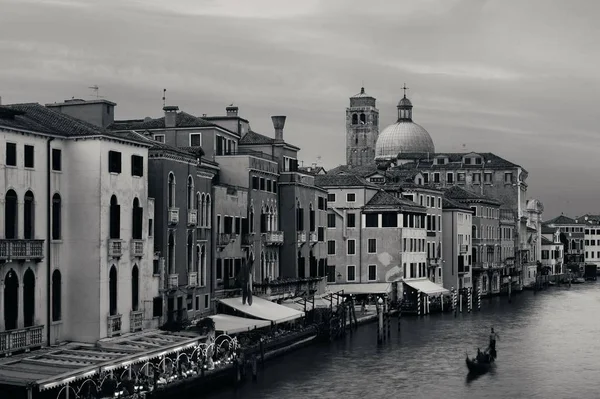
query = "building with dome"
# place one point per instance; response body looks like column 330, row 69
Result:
column 404, row 136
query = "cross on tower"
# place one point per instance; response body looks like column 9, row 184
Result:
column 404, row 88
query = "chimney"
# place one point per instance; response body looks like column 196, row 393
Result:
column 232, row 110
column 278, row 124
column 170, row 115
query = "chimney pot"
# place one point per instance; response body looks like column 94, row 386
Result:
column 232, row 110
column 278, row 124
column 170, row 115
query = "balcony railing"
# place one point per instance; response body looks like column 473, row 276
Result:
column 115, row 248
column 136, row 320
column 21, row 250
column 114, row 325
column 247, row 239
column 173, row 215
column 433, row 261
column 137, row 248
column 273, row 237
column 192, row 279
column 291, row 287
column 313, row 237
column 481, row 266
column 464, row 248
column 24, row 338
column 223, row 239
column 192, row 217
column 173, row 281
column 464, row 269
column 301, row 237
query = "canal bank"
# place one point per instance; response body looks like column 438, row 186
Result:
column 547, row 349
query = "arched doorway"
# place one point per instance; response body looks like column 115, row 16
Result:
column 11, row 300
column 29, row 298
column 112, row 290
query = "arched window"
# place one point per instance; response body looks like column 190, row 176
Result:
column 29, row 298
column 171, row 254
column 115, row 218
column 190, row 193
column 56, row 217
column 171, row 199
column 200, row 208
column 356, row 139
column 135, row 288
column 190, row 252
column 208, row 211
column 202, row 266
column 112, row 291
column 312, row 218
column 474, row 231
column 11, row 300
column 251, row 220
column 137, row 220
column 10, row 215
column 263, row 220
column 56, row 295
column 363, row 119
column 28, row 216
column 355, row 119
column 263, row 274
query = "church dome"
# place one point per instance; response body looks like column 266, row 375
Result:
column 404, row 136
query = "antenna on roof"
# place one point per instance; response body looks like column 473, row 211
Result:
column 318, row 159
column 164, row 97
column 95, row 89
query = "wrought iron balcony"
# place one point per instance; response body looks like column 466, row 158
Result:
column 137, row 248
column 115, row 248
column 433, row 261
column 273, row 237
column 173, row 216
column 192, row 217
column 223, row 239
column 173, row 281
column 114, row 325
column 192, row 279
column 247, row 239
column 21, row 250
column 21, row 339
column 136, row 320
column 313, row 237
column 301, row 237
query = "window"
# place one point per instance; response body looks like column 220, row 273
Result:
column 195, row 139
column 29, row 156
column 331, row 220
column 56, row 295
column 351, row 220
column 171, row 193
column 331, row 247
column 274, row 185
column 137, row 166
column 351, row 247
column 11, row 154
column 112, row 291
column 372, row 272
column 29, row 216
column 389, row 219
column 321, row 234
column 372, row 245
column 350, row 197
column 426, row 178
column 114, row 162
column 508, row 177
column 436, row 177
column 262, row 183
column 56, row 159
column 331, row 197
column 351, row 276
column 487, row 177
column 115, row 218
column 157, row 306
column 10, row 215
column 476, row 178
column 255, row 183
column 206, row 301
column 159, row 137
column 460, row 177
column 450, row 177
column 321, row 203
column 330, row 274
column 137, row 220
column 56, row 216
column 372, row 220
column 269, row 185
column 135, row 288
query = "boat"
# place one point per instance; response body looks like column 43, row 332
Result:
column 579, row 280
column 482, row 365
column 551, row 283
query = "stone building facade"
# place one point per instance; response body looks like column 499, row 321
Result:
column 362, row 129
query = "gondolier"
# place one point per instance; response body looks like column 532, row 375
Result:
column 493, row 337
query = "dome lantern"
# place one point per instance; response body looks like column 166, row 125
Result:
column 404, row 108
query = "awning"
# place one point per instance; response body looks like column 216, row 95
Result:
column 298, row 303
column 232, row 324
column 361, row 288
column 263, row 309
column 426, row 286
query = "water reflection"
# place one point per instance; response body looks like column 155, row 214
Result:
column 546, row 349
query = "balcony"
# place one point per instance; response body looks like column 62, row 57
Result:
column 192, row 217
column 173, row 281
column 433, row 261
column 114, row 325
column 431, row 234
column 173, row 216
column 301, row 238
column 313, row 238
column 463, row 248
column 136, row 320
column 464, row 269
column 137, row 248
column 273, row 237
column 21, row 250
column 287, row 288
column 247, row 240
column 192, row 279
column 223, row 239
column 477, row 266
column 21, row 339
column 115, row 248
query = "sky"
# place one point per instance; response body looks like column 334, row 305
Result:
column 517, row 78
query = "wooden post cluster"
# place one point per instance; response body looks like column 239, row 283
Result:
column 478, row 298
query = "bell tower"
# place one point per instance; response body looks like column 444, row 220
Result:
column 362, row 129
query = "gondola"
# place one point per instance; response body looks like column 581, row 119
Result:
column 482, row 365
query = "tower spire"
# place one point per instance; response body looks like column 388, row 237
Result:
column 404, row 88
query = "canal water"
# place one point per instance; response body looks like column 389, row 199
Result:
column 548, row 347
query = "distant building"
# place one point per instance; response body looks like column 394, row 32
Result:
column 552, row 251
column 572, row 236
column 362, row 129
column 591, row 238
column 456, row 243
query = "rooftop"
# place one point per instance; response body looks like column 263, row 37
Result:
column 182, row 120
column 253, row 138
column 448, row 203
column 342, row 181
column 561, row 220
column 423, row 160
column 79, row 101
column 461, row 195
column 382, row 198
